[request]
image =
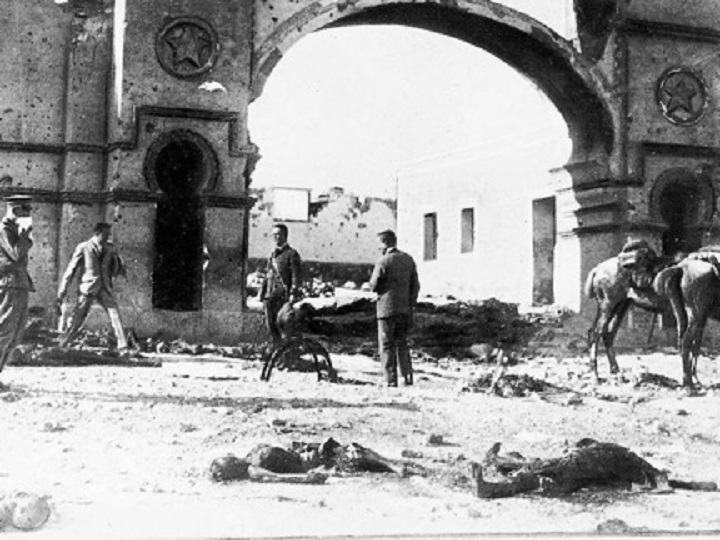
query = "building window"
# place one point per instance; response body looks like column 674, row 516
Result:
column 430, row 221
column 467, row 230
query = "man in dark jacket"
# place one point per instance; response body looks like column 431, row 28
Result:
column 283, row 279
column 395, row 280
column 15, row 282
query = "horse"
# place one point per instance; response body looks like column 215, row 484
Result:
column 692, row 288
column 617, row 284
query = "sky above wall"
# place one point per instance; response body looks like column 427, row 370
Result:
column 354, row 107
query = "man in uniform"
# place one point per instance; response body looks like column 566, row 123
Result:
column 283, row 279
column 15, row 282
column 395, row 280
column 97, row 263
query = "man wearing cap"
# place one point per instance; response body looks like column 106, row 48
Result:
column 283, row 279
column 395, row 280
column 97, row 263
column 15, row 282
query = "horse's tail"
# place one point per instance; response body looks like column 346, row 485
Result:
column 667, row 285
column 589, row 289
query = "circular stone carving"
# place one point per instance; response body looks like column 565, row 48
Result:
column 682, row 96
column 181, row 163
column 187, row 47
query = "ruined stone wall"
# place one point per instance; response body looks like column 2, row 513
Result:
column 339, row 242
column 89, row 87
column 32, row 128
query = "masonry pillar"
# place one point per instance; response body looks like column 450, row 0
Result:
column 81, row 176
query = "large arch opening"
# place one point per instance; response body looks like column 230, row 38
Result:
column 534, row 50
column 179, row 165
column 473, row 179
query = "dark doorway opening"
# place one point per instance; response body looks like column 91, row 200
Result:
column 177, row 269
column 179, row 164
column 680, row 208
column 544, row 230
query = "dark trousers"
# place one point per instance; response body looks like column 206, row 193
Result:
column 13, row 316
column 272, row 308
column 394, row 352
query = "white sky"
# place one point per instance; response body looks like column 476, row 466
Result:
column 350, row 107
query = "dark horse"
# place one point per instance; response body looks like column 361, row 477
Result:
column 692, row 288
column 616, row 285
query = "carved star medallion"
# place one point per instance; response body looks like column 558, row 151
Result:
column 187, row 47
column 682, row 96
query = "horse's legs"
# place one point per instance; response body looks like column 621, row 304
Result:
column 593, row 336
column 611, row 330
column 697, row 342
column 688, row 345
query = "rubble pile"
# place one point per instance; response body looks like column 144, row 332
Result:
column 508, row 385
column 450, row 329
column 40, row 346
column 656, row 380
column 23, row 511
column 445, row 330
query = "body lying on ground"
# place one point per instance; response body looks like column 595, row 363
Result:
column 588, row 464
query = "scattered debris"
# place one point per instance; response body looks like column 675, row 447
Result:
column 508, row 385
column 618, row 526
column 23, row 511
column 435, row 439
column 654, row 379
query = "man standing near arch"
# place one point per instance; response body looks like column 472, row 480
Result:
column 282, row 279
column 98, row 264
column 395, row 280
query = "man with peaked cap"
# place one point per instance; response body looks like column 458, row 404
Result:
column 283, row 279
column 97, row 263
column 15, row 282
column 395, row 280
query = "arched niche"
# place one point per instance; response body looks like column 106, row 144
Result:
column 180, row 165
column 684, row 201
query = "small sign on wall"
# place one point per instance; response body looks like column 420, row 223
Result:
column 291, row 204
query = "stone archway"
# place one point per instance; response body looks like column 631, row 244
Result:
column 565, row 76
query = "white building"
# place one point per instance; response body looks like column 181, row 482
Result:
column 480, row 221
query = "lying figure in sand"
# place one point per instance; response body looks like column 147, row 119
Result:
column 589, row 464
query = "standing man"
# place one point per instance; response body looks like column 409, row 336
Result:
column 282, row 279
column 395, row 280
column 98, row 264
column 15, row 282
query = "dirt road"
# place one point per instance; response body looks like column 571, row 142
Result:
column 124, row 452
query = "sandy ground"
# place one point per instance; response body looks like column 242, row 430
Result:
column 124, row 452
